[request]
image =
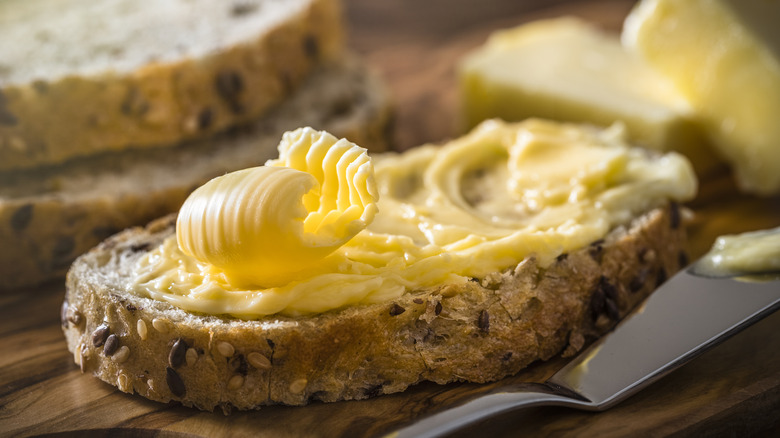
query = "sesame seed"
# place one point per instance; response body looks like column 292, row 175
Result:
column 191, row 357
column 235, row 382
column 123, row 383
column 143, row 332
column 298, row 386
column 161, row 325
column 258, row 361
column 121, row 355
column 83, row 354
column 225, row 348
column 77, row 356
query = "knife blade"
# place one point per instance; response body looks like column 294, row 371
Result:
column 684, row 317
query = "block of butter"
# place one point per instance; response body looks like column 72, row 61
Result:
column 566, row 69
column 724, row 57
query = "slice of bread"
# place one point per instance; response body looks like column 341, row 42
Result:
column 79, row 77
column 482, row 331
column 50, row 216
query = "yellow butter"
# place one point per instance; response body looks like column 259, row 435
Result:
column 724, row 57
column 476, row 205
column 752, row 253
column 566, row 69
column 263, row 225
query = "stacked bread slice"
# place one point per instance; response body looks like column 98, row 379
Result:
column 121, row 110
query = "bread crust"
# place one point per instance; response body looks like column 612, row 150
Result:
column 164, row 103
column 490, row 328
column 51, row 216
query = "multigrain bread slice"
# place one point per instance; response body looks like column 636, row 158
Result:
column 79, row 77
column 50, row 216
column 488, row 329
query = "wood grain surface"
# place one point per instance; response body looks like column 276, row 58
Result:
column 732, row 390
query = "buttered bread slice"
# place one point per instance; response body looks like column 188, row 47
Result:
column 329, row 274
column 79, row 77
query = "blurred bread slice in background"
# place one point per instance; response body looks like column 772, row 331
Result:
column 156, row 101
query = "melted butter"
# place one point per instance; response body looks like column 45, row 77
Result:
column 753, row 253
column 478, row 204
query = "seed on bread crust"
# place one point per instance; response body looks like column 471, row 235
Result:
column 83, row 353
column 122, row 354
column 225, row 348
column 596, row 250
column 297, row 386
column 140, row 327
column 191, row 356
column 123, row 383
column 610, row 291
column 111, row 345
column 396, row 309
column 161, row 325
column 77, row 356
column 258, row 361
column 176, row 356
column 235, row 382
column 604, row 300
column 100, row 335
column 175, row 383
column 483, row 322
column 597, row 302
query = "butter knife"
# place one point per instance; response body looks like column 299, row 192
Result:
column 680, row 320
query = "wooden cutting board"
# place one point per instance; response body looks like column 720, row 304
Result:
column 732, row 390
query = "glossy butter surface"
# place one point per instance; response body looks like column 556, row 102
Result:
column 263, row 225
column 724, row 57
column 476, row 205
column 751, row 253
column 567, row 69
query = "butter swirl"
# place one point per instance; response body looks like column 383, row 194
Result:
column 263, row 225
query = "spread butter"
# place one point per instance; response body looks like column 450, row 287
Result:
column 444, row 214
